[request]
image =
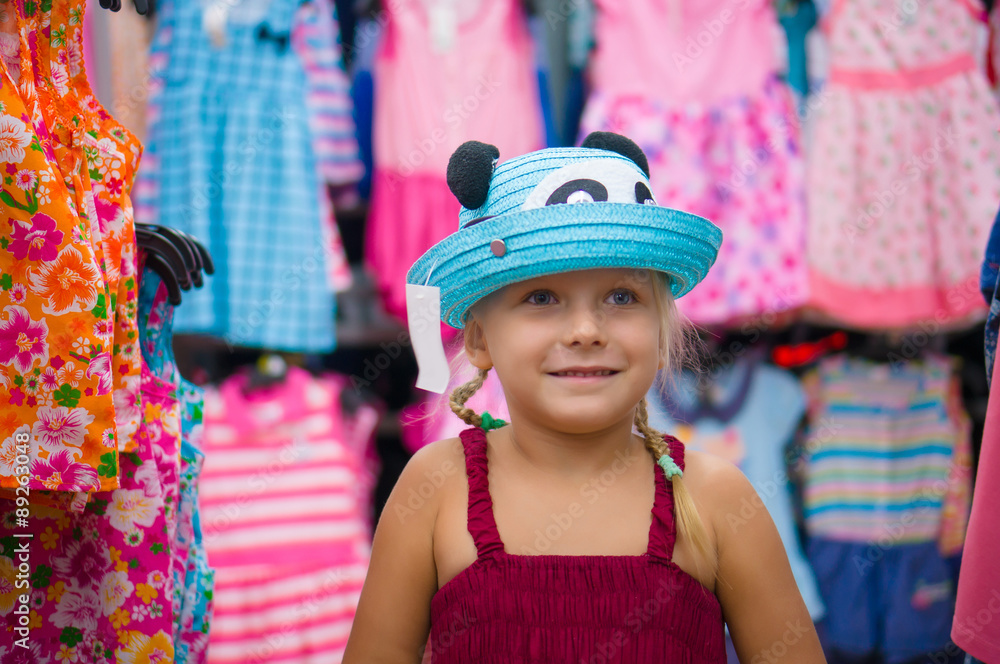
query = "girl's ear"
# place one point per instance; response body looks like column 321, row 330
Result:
column 475, row 345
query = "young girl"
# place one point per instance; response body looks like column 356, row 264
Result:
column 564, row 536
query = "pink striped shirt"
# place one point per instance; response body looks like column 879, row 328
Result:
column 284, row 503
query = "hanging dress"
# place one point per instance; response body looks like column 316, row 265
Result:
column 244, row 180
column 695, row 85
column 904, row 169
column 68, row 337
column 192, row 578
column 445, row 72
column 102, row 582
column 886, row 493
column 284, row 502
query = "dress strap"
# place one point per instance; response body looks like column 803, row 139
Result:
column 663, row 529
column 482, row 524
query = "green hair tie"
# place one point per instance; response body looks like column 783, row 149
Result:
column 669, row 467
column 489, row 423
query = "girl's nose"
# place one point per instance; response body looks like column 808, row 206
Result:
column 586, row 327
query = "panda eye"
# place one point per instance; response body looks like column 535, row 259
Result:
column 579, row 191
column 643, row 195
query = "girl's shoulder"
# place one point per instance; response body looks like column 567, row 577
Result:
column 718, row 487
column 403, row 573
column 437, row 485
column 445, row 452
column 433, row 482
column 702, row 468
column 433, row 471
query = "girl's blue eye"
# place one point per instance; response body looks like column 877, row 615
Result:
column 622, row 297
column 540, row 297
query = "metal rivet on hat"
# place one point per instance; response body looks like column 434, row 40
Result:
column 498, row 247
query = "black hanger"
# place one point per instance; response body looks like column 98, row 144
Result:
column 205, row 258
column 151, row 241
column 181, row 242
column 177, row 257
column 264, row 33
column 141, row 6
column 722, row 350
column 352, row 399
column 160, row 266
column 198, row 265
column 193, row 255
column 893, row 348
column 874, row 347
column 192, row 258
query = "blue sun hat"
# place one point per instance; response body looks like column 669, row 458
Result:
column 558, row 210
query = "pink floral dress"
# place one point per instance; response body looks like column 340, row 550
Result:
column 695, row 85
column 904, row 168
column 101, row 582
column 193, row 579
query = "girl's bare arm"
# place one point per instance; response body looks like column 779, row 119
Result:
column 767, row 619
column 393, row 618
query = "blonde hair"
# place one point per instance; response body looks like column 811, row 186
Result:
column 680, row 345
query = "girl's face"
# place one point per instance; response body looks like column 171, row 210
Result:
column 538, row 333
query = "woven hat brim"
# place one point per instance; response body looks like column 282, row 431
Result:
column 566, row 238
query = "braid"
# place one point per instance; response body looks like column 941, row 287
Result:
column 463, row 393
column 653, row 438
column 689, row 521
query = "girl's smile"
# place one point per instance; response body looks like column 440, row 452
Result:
column 585, row 372
column 585, row 376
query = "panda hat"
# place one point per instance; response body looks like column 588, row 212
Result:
column 558, row 210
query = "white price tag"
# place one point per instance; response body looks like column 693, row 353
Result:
column 444, row 26
column 423, row 315
column 213, row 21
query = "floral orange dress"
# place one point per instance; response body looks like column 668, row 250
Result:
column 69, row 358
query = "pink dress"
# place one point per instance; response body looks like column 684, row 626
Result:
column 904, row 172
column 694, row 84
column 285, row 494
column 102, row 583
column 441, row 78
column 974, row 629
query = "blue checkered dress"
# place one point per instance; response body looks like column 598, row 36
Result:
column 237, row 170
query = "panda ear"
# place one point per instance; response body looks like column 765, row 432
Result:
column 469, row 171
column 606, row 140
